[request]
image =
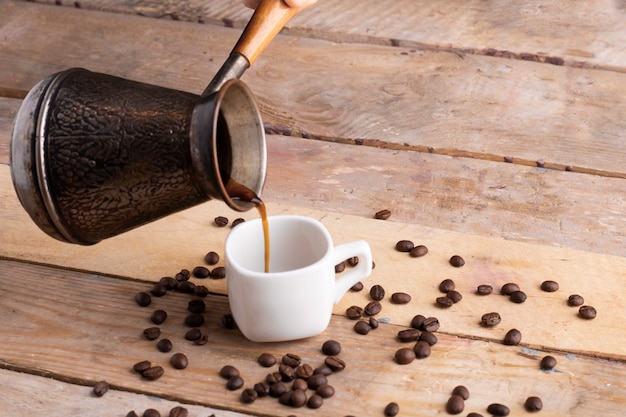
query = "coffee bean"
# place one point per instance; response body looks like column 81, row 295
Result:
column 457, row 261
column 382, row 214
column 357, row 287
column 325, row 391
column 291, row 359
column 418, row 251
column 262, row 388
column 474, row 415
column 158, row 290
column 533, row 404
column 151, row 412
column 340, row 267
column 153, row 372
column 266, row 360
column 392, row 410
column 499, row 410
column 285, row 398
column 417, row 322
column 186, row 287
column 315, row 401
column 550, row 286
column 196, row 306
column 300, row 383
column 323, row 369
column 444, row 302
column 354, row 312
column 298, row 398
column 455, row 404
column 152, row 333
column 201, row 272
column 490, row 319
column 183, row 275
column 353, row 261
column 141, row 366
column 331, row 348
column 249, row 395
column 409, row 335
column 575, row 300
column 377, row 292
column 228, row 371
column 400, row 298
column 422, row 350
column 446, row 285
column 143, row 299
column 362, row 327
column 193, row 334
column 164, row 345
column 278, row 389
column 373, row 323
column 484, row 289
column 404, row 356
column 202, row 340
column 587, row 312
column 234, row 383
column 228, row 321
column 169, row 283
column 273, row 378
column 431, row 324
column 372, row 308
column 404, row 246
column 429, row 338
column 221, row 221
column 179, row 411
column 335, row 363
column 179, row 361
column 194, row 320
column 132, row 414
column 513, row 337
column 509, row 288
column 211, row 258
column 317, row 380
column 286, row 372
column 547, row 362
column 461, row 391
column 517, row 297
column 158, row 316
column 100, row 388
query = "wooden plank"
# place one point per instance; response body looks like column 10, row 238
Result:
column 86, row 327
column 8, row 110
column 587, row 34
column 401, row 98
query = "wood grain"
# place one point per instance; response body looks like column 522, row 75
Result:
column 86, row 328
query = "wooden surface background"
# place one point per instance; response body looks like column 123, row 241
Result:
column 408, row 105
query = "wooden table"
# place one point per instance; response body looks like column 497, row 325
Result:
column 492, row 130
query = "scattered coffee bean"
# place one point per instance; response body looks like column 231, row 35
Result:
column 249, row 395
column 298, row 398
column 547, row 362
column 409, row 335
column 201, row 272
column 575, row 300
column 234, row 383
column 278, row 389
column 158, row 290
column 179, row 411
column 221, row 221
column 315, row 401
column 169, row 283
column 335, row 363
column 422, row 350
column 533, row 404
column 186, row 287
column 100, row 388
column 287, row 373
column 196, row 306
column 372, row 308
column 446, row 285
column 490, row 319
column 509, row 288
column 455, row 296
column 317, row 380
column 474, row 415
column 444, row 302
column 139, row 367
column 164, row 345
column 228, row 371
column 377, row 292
column 291, row 359
column 325, row 391
column 587, row 312
column 151, row 412
column 331, row 348
column 193, row 334
column 237, row 221
column 353, row 261
column 418, row 251
column 513, row 337
column 457, row 261
column 373, row 323
column 143, row 299
column 228, row 321
column 152, row 333
column 218, row 273
column 550, row 286
column 499, row 410
column 357, row 287
column 183, row 275
column 300, row 383
column 392, row 409
column 484, row 289
column 404, row 246
column 262, row 388
column 429, row 338
column 354, row 312
column 323, row 369
column 179, row 361
column 404, row 356
column 273, row 378
column 266, row 360
column 517, row 297
column 431, row 324
column 417, row 322
column 153, row 372
column 382, row 214
column 340, row 267
column 455, row 404
column 194, row 320
column 202, row 340
column 211, row 258
column 400, row 298
column 461, row 391
column 132, row 414
column 158, row 316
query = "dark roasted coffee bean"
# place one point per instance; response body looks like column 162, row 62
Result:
column 221, row 221
column 474, row 415
column 353, row 261
column 169, row 283
column 262, row 388
column 325, row 391
column 158, row 290
column 266, row 360
column 202, row 340
column 179, row 411
column 377, row 292
column 315, row 401
column 152, row 333
column 362, row 327
column 457, row 261
column 409, row 335
column 300, row 383
column 304, row 371
column 141, row 366
column 286, row 372
column 354, row 312
column 400, row 298
column 499, row 410
column 429, row 338
column 298, row 398
column 237, row 221
column 357, row 287
column 132, row 414
column 200, row 290
column 509, row 288
column 179, row 360
column 392, row 410
column 422, row 350
column 547, row 362
column 404, row 356
column 151, row 412
column 331, row 347
column 484, row 289
column 373, row 323
column 273, row 378
column 455, row 404
column 513, row 337
column 201, row 272
column 196, row 306
column 158, row 316
column 218, row 273
column 417, row 322
column 194, row 320
column 143, row 299
column 249, row 395
column 183, row 275
column 228, row 321
column 234, row 383
column 490, row 319
column 575, row 300
column 550, row 286
column 228, row 371
column 317, row 380
column 277, row 389
column 164, row 345
column 461, row 391
column 193, row 334
column 533, row 404
column 418, row 251
column 285, row 398
column 431, row 324
column 100, row 388
column 404, row 246
column 340, row 267
column 323, row 369
column 153, row 372
column 517, row 297
column 211, row 258
column 382, row 214
column 291, row 359
column 446, row 285
column 335, row 363
column 444, row 302
column 372, row 308
column 587, row 312
column 454, row 295
column 186, row 287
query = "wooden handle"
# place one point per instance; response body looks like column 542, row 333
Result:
column 268, row 19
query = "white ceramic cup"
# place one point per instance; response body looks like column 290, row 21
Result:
column 295, row 298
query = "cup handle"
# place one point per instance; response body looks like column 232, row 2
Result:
column 361, row 271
